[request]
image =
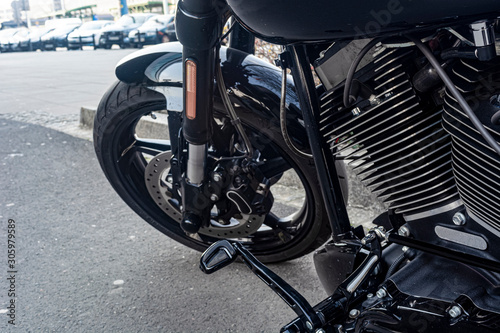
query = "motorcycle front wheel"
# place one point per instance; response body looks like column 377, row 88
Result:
column 297, row 223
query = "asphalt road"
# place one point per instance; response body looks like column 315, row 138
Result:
column 84, row 261
column 56, row 82
column 75, row 238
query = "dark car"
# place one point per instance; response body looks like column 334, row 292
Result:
column 117, row 34
column 58, row 37
column 158, row 29
column 33, row 41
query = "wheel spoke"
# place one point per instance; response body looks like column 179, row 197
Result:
column 152, row 146
column 129, row 157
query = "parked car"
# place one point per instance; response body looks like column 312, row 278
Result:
column 9, row 39
column 33, row 41
column 117, row 34
column 58, row 37
column 88, row 34
column 158, row 29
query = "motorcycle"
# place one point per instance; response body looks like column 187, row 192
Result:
column 406, row 92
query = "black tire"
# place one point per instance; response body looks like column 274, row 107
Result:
column 114, row 129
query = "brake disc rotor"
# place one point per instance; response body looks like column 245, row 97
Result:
column 160, row 187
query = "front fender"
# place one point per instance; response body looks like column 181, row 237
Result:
column 254, row 85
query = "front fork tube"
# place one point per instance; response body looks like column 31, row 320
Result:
column 198, row 28
column 197, row 130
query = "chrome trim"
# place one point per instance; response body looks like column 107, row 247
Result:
column 411, row 126
column 462, row 238
column 402, row 211
column 482, row 223
column 364, row 272
column 363, row 115
column 435, row 211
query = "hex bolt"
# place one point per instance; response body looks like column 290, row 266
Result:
column 368, row 238
column 214, row 197
column 309, row 325
column 320, row 330
column 370, row 295
column 404, row 231
column 381, row 293
column 354, row 313
column 217, row 177
column 459, row 219
column 455, row 311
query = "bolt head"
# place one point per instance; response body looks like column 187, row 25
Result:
column 354, row 313
column 320, row 330
column 309, row 325
column 404, row 231
column 381, row 293
column 217, row 177
column 459, row 219
column 368, row 238
column 455, row 311
column 214, row 197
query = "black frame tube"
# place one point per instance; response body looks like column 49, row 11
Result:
column 241, row 39
column 465, row 258
column 323, row 158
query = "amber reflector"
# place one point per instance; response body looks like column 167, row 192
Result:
column 190, row 89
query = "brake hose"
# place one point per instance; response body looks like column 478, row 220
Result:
column 454, row 91
column 235, row 120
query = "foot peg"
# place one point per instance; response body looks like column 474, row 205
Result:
column 217, row 256
column 223, row 253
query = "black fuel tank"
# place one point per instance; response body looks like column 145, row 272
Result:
column 282, row 21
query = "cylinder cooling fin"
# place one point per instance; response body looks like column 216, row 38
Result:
column 395, row 142
column 476, row 166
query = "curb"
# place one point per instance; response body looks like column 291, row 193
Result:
column 87, row 115
column 146, row 126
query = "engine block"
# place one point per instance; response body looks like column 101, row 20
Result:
column 396, row 144
column 476, row 166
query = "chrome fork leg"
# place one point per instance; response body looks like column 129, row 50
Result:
column 196, row 163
